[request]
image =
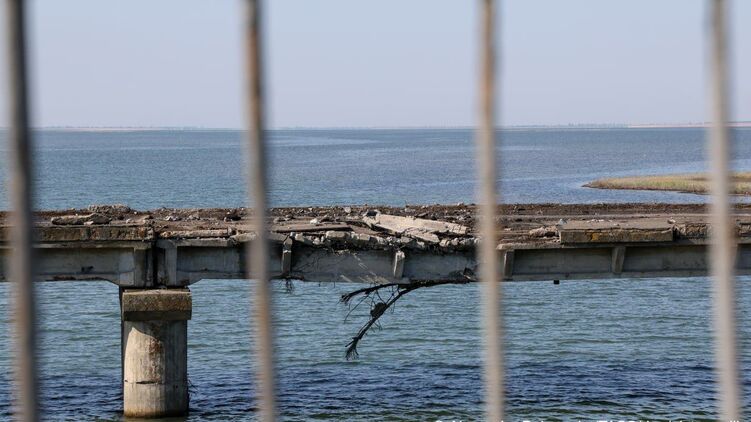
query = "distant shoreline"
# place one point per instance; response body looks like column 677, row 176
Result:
column 584, row 126
column 686, row 125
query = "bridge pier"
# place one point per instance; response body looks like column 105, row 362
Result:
column 155, row 352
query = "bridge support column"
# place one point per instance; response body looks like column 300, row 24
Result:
column 155, row 352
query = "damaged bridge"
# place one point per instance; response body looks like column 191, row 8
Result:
column 178, row 247
column 153, row 256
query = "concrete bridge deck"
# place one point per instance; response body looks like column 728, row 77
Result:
column 177, row 247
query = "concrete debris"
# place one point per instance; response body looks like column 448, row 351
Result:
column 96, row 218
column 422, row 229
column 117, row 209
column 337, row 236
column 77, row 220
column 422, row 235
column 243, row 237
column 362, row 239
column 444, row 228
column 232, row 215
column 310, row 227
column 691, row 231
column 277, row 237
column 299, row 237
column 193, row 234
column 320, row 220
column 545, row 231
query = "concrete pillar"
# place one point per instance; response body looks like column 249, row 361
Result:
column 155, row 352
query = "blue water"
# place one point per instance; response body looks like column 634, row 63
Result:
column 148, row 169
column 616, row 349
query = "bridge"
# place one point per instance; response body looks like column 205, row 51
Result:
column 154, row 256
column 173, row 248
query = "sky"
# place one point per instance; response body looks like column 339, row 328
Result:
column 375, row 63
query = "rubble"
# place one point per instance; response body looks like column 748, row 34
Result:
column 544, row 231
column 425, row 230
column 440, row 228
column 77, row 220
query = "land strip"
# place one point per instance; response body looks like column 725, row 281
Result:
column 686, row 183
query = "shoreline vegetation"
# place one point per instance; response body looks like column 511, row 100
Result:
column 697, row 183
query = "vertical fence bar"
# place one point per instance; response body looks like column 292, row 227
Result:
column 21, row 194
column 722, row 250
column 489, row 263
column 258, row 253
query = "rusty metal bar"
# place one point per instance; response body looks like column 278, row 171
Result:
column 488, row 254
column 257, row 181
column 722, row 250
column 21, row 196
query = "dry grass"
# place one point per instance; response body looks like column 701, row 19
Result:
column 690, row 183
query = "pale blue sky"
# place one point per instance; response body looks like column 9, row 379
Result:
column 375, row 63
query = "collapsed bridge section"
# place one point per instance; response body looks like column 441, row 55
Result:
column 178, row 247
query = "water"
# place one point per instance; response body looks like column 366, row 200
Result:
column 589, row 349
column 149, row 169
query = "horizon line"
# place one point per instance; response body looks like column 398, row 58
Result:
column 738, row 123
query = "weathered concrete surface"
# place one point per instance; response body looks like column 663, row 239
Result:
column 177, row 247
column 155, row 352
column 616, row 231
column 403, row 227
column 156, row 304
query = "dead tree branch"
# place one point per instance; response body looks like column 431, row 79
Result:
column 379, row 307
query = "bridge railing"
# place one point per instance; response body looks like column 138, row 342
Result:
column 22, row 262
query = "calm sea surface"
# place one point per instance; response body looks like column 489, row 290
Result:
column 616, row 349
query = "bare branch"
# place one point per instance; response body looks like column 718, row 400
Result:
column 364, row 291
column 379, row 308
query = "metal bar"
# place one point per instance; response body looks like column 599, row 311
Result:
column 488, row 255
column 21, row 194
column 722, row 250
column 258, row 252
